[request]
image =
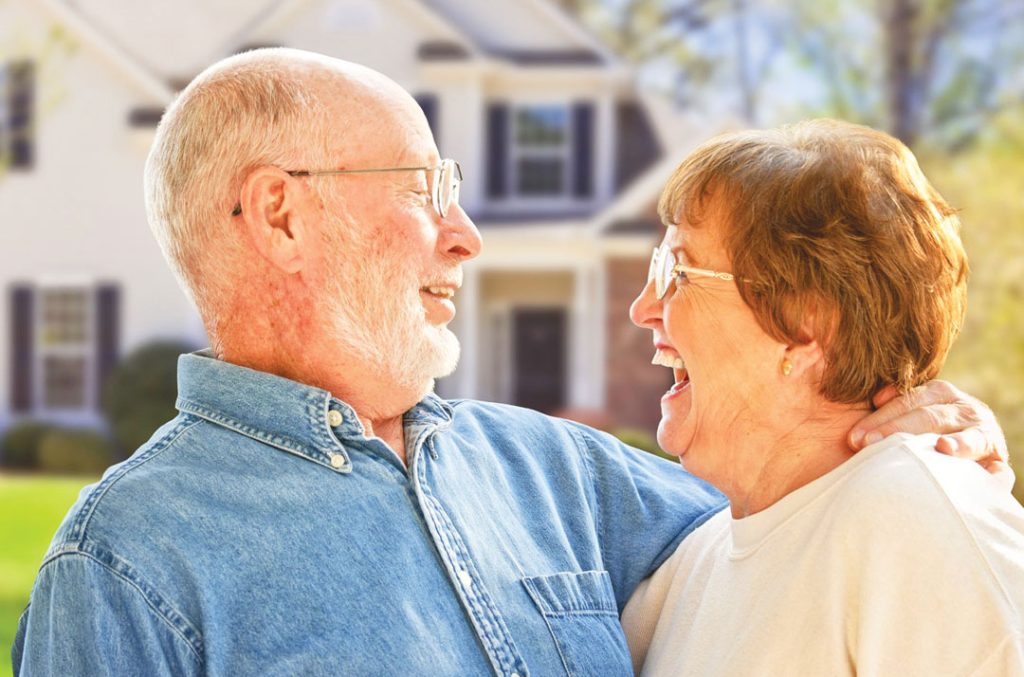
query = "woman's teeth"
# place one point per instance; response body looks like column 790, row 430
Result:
column 663, row 358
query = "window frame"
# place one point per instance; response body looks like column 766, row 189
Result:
column 564, row 199
column 87, row 350
column 24, row 134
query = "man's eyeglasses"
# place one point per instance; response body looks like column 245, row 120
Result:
column 664, row 269
column 444, row 181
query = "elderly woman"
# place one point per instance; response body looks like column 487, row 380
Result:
column 806, row 268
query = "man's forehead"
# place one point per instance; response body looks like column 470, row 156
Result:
column 381, row 134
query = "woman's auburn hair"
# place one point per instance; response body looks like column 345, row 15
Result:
column 839, row 238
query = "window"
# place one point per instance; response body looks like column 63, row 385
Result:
column 17, row 114
column 540, row 155
column 64, row 341
column 64, row 346
column 541, row 151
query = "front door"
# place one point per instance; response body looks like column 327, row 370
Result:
column 538, row 360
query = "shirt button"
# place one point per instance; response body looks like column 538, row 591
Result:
column 466, row 579
column 337, row 461
column 334, row 418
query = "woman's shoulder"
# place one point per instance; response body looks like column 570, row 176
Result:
column 903, row 473
column 904, row 499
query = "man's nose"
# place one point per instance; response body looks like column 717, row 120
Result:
column 459, row 235
column 646, row 309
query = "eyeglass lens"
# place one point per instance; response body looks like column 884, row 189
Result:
column 447, row 186
column 662, row 263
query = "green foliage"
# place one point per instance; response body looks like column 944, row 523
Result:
column 988, row 358
column 640, row 439
column 31, row 508
column 19, row 447
column 74, row 452
column 140, row 393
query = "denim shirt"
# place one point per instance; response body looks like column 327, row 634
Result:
column 261, row 532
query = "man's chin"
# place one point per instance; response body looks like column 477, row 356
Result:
column 446, row 351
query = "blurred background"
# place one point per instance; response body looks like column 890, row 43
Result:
column 567, row 117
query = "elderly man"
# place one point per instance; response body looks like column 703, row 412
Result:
column 314, row 509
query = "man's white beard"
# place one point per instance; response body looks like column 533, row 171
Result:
column 380, row 319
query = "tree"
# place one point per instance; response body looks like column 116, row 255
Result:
column 932, row 70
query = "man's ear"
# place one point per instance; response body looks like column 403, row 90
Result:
column 271, row 201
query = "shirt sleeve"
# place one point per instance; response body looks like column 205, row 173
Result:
column 646, row 506
column 85, row 618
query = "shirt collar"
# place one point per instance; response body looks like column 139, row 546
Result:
column 285, row 414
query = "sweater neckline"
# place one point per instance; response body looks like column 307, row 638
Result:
column 749, row 533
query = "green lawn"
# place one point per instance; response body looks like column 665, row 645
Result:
column 31, row 508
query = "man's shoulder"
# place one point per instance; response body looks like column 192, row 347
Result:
column 506, row 422
column 496, row 420
column 110, row 509
column 500, row 413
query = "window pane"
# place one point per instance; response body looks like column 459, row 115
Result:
column 540, row 176
column 64, row 320
column 541, row 126
column 19, row 113
column 64, row 382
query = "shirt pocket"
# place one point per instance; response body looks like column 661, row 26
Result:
column 581, row 614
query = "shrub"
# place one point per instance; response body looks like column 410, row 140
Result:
column 19, row 447
column 74, row 452
column 140, row 392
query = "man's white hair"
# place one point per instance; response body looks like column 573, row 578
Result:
column 256, row 108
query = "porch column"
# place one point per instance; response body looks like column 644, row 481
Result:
column 468, row 306
column 584, row 337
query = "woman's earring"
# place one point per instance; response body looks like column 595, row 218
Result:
column 786, row 367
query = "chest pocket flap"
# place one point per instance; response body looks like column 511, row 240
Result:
column 583, row 618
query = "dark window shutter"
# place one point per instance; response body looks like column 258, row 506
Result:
column 22, row 344
column 583, row 150
column 108, row 332
column 497, row 150
column 636, row 142
column 428, row 102
column 21, row 99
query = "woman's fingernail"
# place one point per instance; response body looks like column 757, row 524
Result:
column 871, row 438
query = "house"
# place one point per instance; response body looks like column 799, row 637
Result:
column 563, row 158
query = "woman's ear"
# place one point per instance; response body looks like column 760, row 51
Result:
column 805, row 355
column 801, row 359
column 271, row 202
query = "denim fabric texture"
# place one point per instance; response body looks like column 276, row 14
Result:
column 249, row 536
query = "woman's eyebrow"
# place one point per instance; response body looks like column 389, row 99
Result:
column 691, row 260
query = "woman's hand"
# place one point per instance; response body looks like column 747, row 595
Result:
column 966, row 426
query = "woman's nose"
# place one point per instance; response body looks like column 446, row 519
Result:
column 646, row 309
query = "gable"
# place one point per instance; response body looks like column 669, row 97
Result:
column 527, row 31
column 168, row 38
column 355, row 30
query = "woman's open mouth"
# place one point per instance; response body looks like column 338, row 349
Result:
column 682, row 378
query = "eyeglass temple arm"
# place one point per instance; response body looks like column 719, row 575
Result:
column 703, row 271
column 325, row 172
